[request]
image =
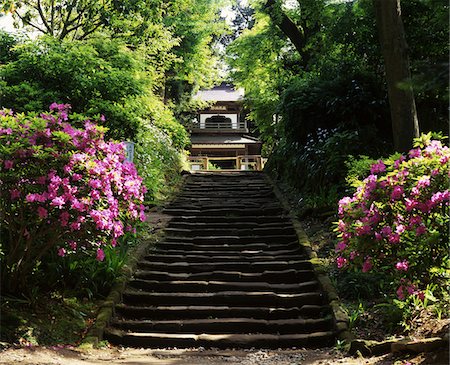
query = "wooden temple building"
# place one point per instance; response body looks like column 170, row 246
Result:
column 219, row 136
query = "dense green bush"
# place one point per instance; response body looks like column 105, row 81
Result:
column 98, row 77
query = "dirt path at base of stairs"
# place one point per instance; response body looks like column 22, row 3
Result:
column 128, row 356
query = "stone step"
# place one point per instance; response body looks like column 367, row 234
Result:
column 188, row 247
column 296, row 252
column 230, row 325
column 243, row 267
column 181, row 340
column 212, row 286
column 199, row 226
column 229, row 298
column 204, row 311
column 229, row 272
column 230, row 240
column 224, row 212
column 250, row 257
column 285, row 276
column 201, row 232
column 277, row 218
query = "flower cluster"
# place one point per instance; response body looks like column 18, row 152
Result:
column 397, row 221
column 65, row 188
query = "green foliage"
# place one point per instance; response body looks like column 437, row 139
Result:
column 49, row 320
column 335, row 81
column 95, row 77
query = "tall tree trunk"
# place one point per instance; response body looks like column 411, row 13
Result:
column 405, row 125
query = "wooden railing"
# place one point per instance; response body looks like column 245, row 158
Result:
column 206, row 163
column 223, row 125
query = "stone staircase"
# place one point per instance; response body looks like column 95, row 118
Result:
column 229, row 273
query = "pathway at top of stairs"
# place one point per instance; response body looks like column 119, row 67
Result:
column 229, row 273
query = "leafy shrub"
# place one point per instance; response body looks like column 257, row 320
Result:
column 63, row 190
column 396, row 223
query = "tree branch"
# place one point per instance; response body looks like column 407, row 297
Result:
column 29, row 23
column 288, row 27
column 38, row 7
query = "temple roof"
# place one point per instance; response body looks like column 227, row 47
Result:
column 223, row 92
column 223, row 139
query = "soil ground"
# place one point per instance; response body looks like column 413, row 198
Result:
column 116, row 356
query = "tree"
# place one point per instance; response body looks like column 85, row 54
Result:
column 405, row 124
column 298, row 33
column 60, row 19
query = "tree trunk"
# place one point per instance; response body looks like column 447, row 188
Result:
column 405, row 125
column 288, row 27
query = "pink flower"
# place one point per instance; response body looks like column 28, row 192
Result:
column 341, row 261
column 58, row 202
column 420, row 295
column 367, row 265
column 400, row 293
column 386, row 231
column 400, row 229
column 402, row 265
column 75, row 226
column 397, row 192
column 421, row 230
column 415, row 220
column 31, row 198
column 100, row 255
column 76, row 177
column 61, row 252
column 15, row 194
column 73, row 245
column 415, row 153
column 64, row 218
column 398, row 162
column 353, row 255
column 42, row 212
column 423, row 182
column 394, row 238
column 96, row 184
column 8, row 164
column 377, row 167
column 341, row 246
column 410, row 204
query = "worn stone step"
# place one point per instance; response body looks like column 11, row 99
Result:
column 261, row 194
column 245, row 258
column 198, row 226
column 199, row 232
column 204, row 311
column 285, row 276
column 152, row 340
column 230, row 325
column 229, row 239
column 297, row 251
column 224, row 212
column 243, row 267
column 277, row 218
column 229, row 272
column 212, row 286
column 230, row 298
column 188, row 247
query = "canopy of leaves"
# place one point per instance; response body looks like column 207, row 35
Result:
column 329, row 74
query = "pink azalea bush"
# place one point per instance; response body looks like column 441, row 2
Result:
column 396, row 223
column 63, row 189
